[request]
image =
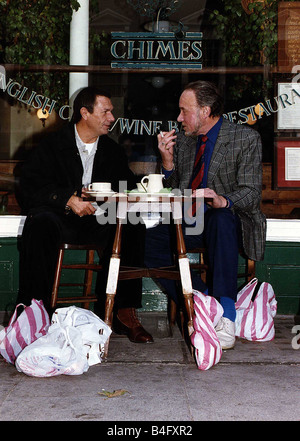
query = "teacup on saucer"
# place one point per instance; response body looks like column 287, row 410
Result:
column 103, row 187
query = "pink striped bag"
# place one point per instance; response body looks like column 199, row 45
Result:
column 256, row 308
column 208, row 311
column 31, row 324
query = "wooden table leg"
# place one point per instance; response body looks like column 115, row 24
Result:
column 112, row 281
column 185, row 275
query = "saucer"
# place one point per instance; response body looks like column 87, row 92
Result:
column 95, row 193
column 144, row 193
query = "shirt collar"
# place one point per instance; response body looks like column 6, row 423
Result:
column 82, row 145
column 79, row 141
column 212, row 134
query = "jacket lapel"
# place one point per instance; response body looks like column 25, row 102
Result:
column 70, row 152
column 187, row 158
column 221, row 147
column 100, row 157
column 191, row 151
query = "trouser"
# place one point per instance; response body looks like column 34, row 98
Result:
column 221, row 237
column 42, row 234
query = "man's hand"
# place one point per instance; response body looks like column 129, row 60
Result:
column 80, row 207
column 166, row 142
column 215, row 201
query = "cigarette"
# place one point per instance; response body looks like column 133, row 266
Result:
column 162, row 135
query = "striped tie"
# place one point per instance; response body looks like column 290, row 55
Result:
column 199, row 165
column 198, row 171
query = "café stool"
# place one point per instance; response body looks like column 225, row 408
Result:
column 89, row 267
column 202, row 267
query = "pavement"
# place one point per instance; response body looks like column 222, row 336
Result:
column 161, row 384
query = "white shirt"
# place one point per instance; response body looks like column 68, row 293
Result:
column 87, row 154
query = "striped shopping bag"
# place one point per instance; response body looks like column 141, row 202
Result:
column 207, row 313
column 256, row 307
column 31, row 324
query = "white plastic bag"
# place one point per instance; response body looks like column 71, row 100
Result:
column 208, row 311
column 75, row 341
column 93, row 330
column 58, row 352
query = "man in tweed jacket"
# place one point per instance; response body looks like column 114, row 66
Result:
column 231, row 186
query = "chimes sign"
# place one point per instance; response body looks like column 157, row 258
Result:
column 163, row 50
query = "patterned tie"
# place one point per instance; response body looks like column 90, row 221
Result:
column 198, row 171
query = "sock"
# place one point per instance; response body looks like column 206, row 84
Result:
column 229, row 308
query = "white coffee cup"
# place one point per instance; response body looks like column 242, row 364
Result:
column 102, row 187
column 154, row 183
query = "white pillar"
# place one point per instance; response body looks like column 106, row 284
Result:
column 79, row 48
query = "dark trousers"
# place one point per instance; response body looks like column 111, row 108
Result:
column 42, row 234
column 221, row 237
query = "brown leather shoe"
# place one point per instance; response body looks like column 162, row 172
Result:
column 127, row 323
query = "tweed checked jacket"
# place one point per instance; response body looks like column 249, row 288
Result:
column 235, row 171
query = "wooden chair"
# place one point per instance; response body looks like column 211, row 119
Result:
column 248, row 274
column 89, row 267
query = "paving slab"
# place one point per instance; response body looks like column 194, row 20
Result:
column 161, row 383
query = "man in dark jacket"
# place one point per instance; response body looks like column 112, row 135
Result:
column 52, row 186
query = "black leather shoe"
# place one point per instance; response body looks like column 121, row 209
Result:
column 126, row 323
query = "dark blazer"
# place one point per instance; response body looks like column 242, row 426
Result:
column 53, row 172
column 235, row 171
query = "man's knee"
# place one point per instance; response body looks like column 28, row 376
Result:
column 220, row 218
column 42, row 224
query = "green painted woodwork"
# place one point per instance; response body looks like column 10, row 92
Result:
column 281, row 268
column 9, row 273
